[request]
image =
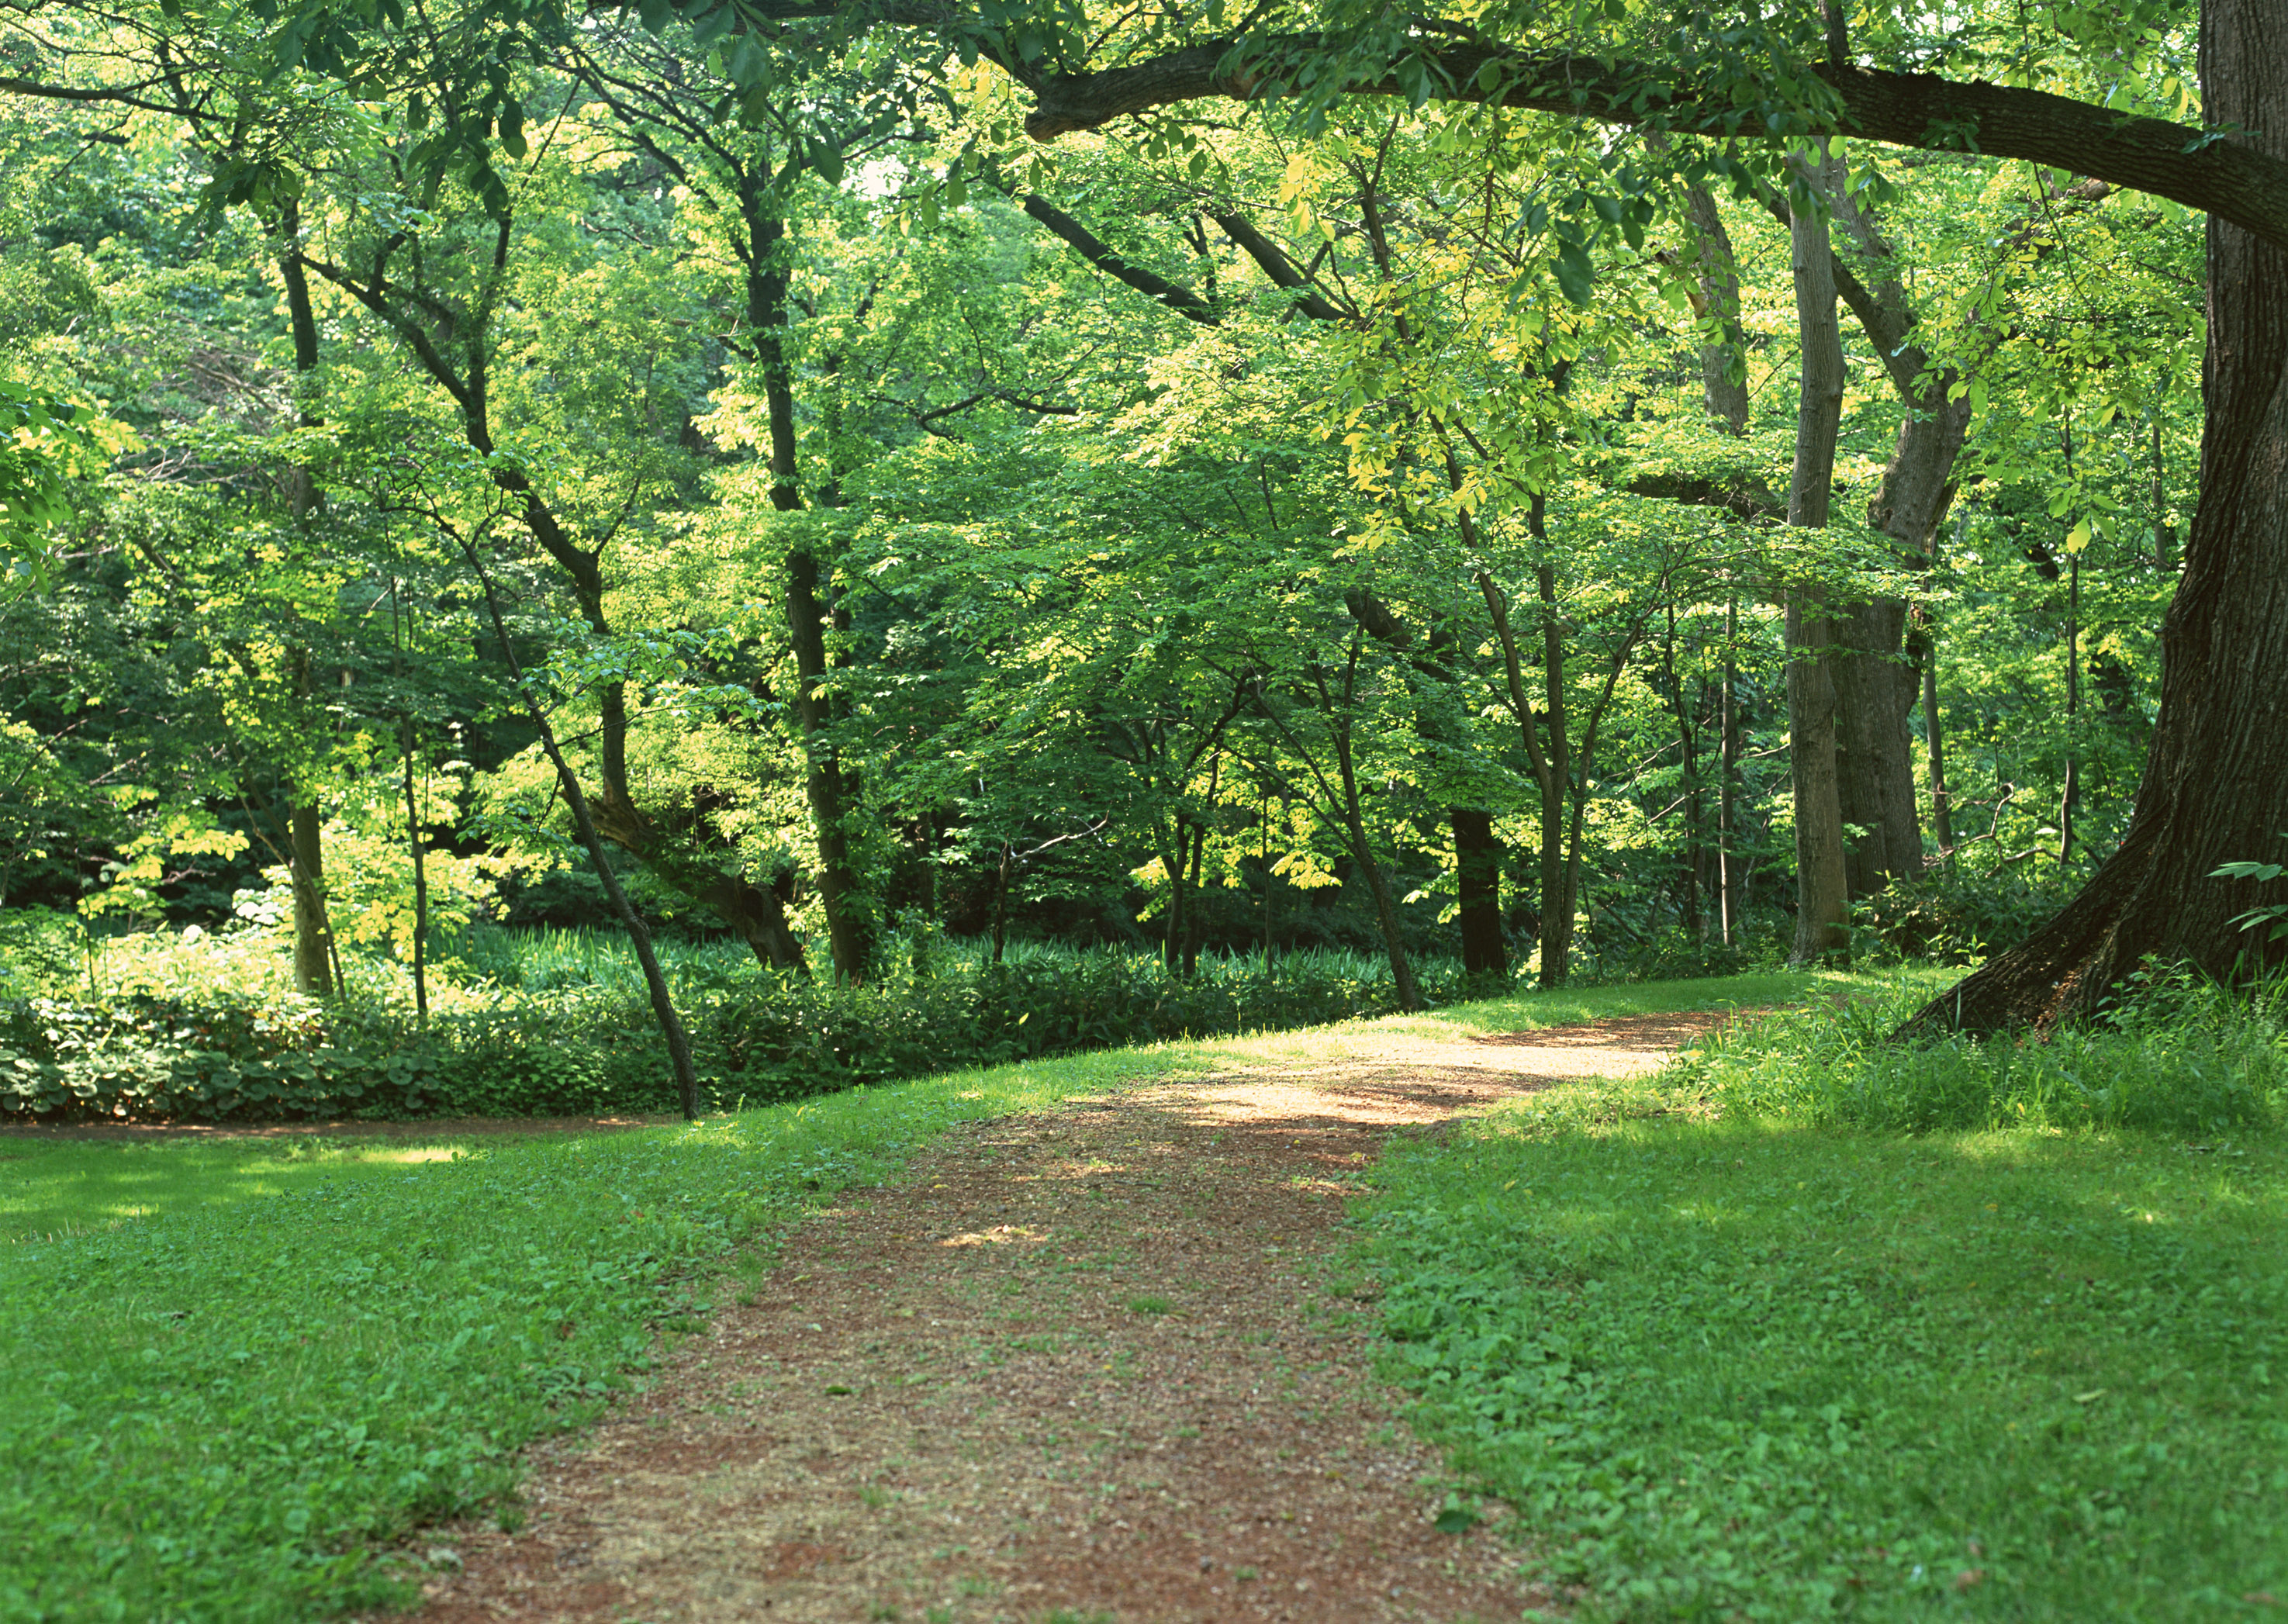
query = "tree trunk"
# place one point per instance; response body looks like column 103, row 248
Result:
column 1731, row 872
column 312, row 963
column 1934, row 734
column 1724, row 383
column 1556, row 896
column 2215, row 787
column 662, row 1002
column 1875, row 681
column 313, row 939
column 420, row 881
column 1001, row 907
column 1822, row 930
column 1191, row 927
column 1177, row 861
column 841, row 891
column 1477, row 865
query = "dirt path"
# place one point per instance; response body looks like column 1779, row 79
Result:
column 1081, row 1366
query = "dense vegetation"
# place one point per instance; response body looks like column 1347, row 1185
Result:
column 853, row 529
column 561, row 559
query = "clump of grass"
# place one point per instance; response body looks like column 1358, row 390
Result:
column 2175, row 1056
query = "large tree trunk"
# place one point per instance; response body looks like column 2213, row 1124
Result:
column 2215, row 788
column 1874, row 680
column 1822, row 930
column 1477, row 865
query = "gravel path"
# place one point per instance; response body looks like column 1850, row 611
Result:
column 1094, row 1364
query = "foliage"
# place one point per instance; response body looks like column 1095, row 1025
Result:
column 1961, row 912
column 1762, row 1367
column 567, row 1033
column 2176, row 1056
column 231, row 1409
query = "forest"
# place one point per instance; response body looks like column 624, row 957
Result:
column 681, row 560
column 827, row 526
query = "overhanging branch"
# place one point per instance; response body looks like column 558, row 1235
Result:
column 2197, row 168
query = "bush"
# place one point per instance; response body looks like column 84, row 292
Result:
column 2176, row 1056
column 1956, row 915
column 584, row 1046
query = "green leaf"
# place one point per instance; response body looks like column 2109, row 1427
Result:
column 1575, row 274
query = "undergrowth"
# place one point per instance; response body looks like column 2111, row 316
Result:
column 2174, row 1055
column 563, row 1027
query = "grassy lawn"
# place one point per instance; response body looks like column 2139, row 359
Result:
column 233, row 1370
column 1758, row 1369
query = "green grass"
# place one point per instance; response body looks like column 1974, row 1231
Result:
column 1773, row 1366
column 231, row 1371
column 223, row 1407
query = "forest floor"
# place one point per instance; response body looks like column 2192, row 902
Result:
column 1102, row 1362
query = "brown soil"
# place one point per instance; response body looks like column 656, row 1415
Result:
column 1093, row 1364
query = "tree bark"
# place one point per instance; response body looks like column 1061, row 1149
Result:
column 2215, row 786
column 312, row 963
column 1934, row 734
column 1823, row 931
column 1724, row 386
column 312, row 934
column 1477, row 864
column 663, row 1001
column 1731, row 872
column 2244, row 183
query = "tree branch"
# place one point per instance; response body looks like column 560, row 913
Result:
column 2200, row 169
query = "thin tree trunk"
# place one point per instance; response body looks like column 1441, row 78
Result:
column 1176, row 860
column 420, row 882
column 1344, row 799
column 1557, row 895
column 2070, row 799
column 1934, row 732
column 842, row 892
column 1192, row 913
column 313, row 944
column 1823, row 901
column 1732, row 875
column 1001, row 907
column 2215, row 786
column 663, row 1001
column 1689, row 756
column 1549, row 785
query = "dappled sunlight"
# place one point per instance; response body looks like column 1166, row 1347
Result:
column 1000, row 1234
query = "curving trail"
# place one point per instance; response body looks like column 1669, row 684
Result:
column 1085, row 1364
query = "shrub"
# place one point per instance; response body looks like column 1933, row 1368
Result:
column 582, row 1046
column 2176, row 1056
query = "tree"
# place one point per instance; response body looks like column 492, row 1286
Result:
column 2215, row 787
